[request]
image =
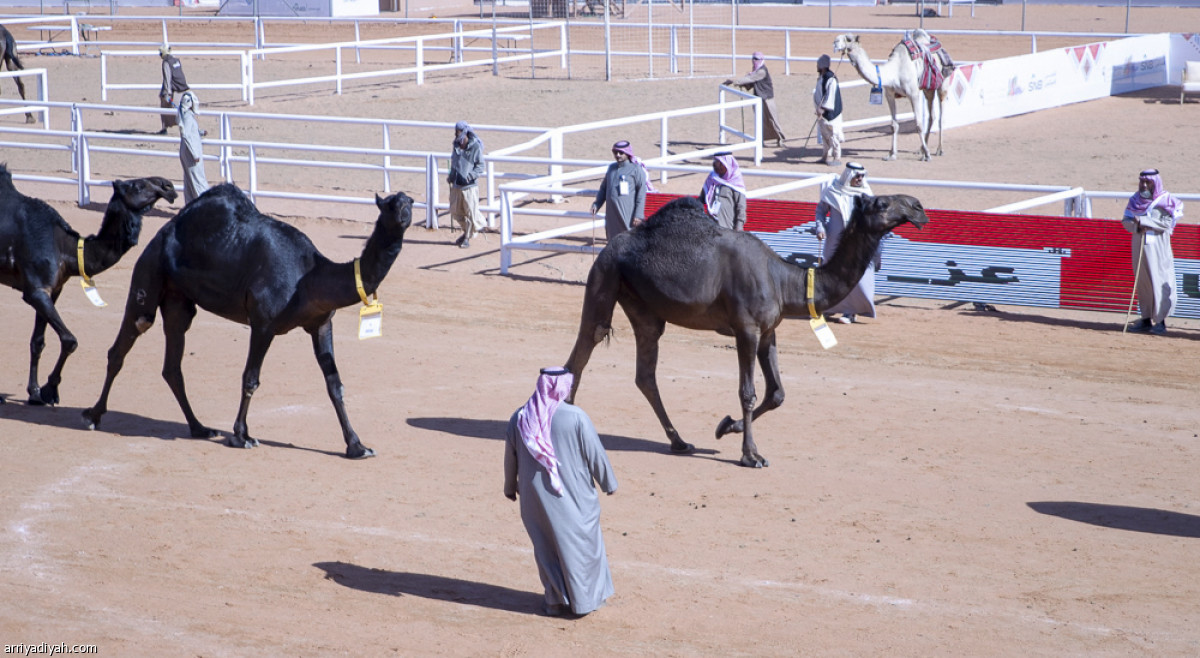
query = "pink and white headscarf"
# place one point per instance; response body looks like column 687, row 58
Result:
column 533, row 421
column 732, row 178
column 757, row 59
column 624, row 147
column 1159, row 198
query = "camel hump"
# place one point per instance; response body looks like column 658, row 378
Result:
column 5, row 176
column 678, row 209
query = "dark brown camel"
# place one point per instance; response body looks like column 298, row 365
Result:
column 8, row 57
column 680, row 267
column 39, row 254
column 221, row 254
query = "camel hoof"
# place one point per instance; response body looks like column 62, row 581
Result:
column 234, row 442
column 362, row 452
column 755, row 461
column 206, row 433
column 727, row 425
column 685, row 449
column 91, row 419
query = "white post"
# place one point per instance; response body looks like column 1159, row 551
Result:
column 491, row 194
column 338, row 65
column 103, row 76
column 253, row 172
column 357, row 39
column 431, row 191
column 674, row 49
column 75, row 35
column 664, row 139
column 250, row 80
column 226, row 150
column 562, row 45
column 607, row 42
column 556, row 154
column 758, row 120
column 245, row 60
column 787, row 52
column 505, row 232
column 387, row 160
column 421, row 61
column 650, row 35
column 44, row 85
column 721, row 115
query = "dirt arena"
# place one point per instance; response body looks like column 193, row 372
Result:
column 944, row 482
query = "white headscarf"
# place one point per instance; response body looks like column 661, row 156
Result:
column 533, row 420
column 841, row 193
column 188, row 105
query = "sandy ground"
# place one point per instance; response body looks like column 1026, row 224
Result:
column 944, row 482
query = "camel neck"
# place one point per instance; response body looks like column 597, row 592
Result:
column 866, row 69
column 834, row 280
column 119, row 232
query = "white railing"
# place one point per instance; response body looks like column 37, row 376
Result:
column 41, row 88
column 454, row 43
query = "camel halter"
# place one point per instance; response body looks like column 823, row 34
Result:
column 812, row 308
column 89, row 288
column 370, row 316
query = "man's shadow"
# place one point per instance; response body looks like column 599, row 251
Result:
column 441, row 588
column 496, row 429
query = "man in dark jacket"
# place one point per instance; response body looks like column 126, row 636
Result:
column 173, row 82
column 466, row 166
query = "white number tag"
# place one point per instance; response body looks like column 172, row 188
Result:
column 93, row 295
column 370, row 321
column 623, row 188
column 823, row 332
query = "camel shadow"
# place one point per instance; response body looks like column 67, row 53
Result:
column 495, row 429
column 439, row 588
column 122, row 424
column 1121, row 517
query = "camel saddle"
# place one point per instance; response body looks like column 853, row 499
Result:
column 936, row 59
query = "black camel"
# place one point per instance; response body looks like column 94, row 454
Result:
column 221, row 254
column 680, row 267
column 39, row 253
column 9, row 58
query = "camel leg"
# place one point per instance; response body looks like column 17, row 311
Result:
column 768, row 362
column 916, row 106
column 747, row 348
column 322, row 340
column 647, row 329
column 177, row 318
column 43, row 304
column 595, row 321
column 891, row 99
column 138, row 319
column 260, row 342
column 941, row 102
column 21, row 89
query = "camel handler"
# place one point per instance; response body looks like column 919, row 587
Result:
column 833, row 212
column 1151, row 216
column 553, row 459
column 623, row 192
column 173, row 82
column 191, row 150
column 466, row 166
column 724, row 193
column 758, row 81
column 827, row 104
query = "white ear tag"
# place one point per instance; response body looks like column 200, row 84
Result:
column 823, row 332
column 370, row 321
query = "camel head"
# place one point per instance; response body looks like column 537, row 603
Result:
column 880, row 214
column 844, row 42
column 139, row 194
column 395, row 213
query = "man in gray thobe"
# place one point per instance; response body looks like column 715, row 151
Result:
column 191, row 152
column 623, row 192
column 553, row 458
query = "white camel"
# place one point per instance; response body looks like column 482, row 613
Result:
column 899, row 77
